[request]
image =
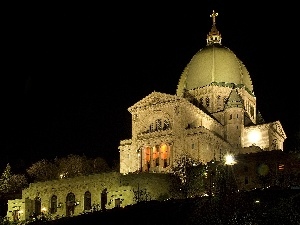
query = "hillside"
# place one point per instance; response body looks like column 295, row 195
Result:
column 274, row 207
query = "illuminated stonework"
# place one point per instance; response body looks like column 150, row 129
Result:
column 213, row 112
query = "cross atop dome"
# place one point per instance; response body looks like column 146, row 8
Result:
column 214, row 15
column 214, row 36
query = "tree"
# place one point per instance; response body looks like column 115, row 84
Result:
column 73, row 165
column 12, row 183
column 141, row 195
column 70, row 166
column 18, row 182
column 191, row 174
column 99, row 165
column 43, row 170
column 5, row 179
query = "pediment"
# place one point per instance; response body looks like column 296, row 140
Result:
column 278, row 127
column 155, row 98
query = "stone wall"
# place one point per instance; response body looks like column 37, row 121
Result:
column 120, row 189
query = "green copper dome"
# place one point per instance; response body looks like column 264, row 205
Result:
column 214, row 64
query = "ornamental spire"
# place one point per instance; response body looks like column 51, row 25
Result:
column 213, row 16
column 214, row 36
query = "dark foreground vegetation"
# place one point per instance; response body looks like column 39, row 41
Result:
column 260, row 207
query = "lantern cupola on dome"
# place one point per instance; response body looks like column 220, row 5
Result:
column 213, row 64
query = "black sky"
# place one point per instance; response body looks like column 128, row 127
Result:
column 71, row 71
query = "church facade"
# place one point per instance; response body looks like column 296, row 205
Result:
column 213, row 113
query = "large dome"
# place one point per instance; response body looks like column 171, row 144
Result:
column 214, row 64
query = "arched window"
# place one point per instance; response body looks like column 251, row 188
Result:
column 104, row 199
column 219, row 102
column 53, row 204
column 87, row 200
column 159, row 124
column 147, row 152
column 164, row 154
column 207, row 101
column 166, row 125
column 70, row 204
column 37, row 206
column 155, row 156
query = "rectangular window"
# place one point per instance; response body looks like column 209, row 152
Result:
column 246, row 180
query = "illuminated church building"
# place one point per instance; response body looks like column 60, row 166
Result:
column 213, row 113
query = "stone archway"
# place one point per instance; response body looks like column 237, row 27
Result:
column 70, row 204
column 103, row 199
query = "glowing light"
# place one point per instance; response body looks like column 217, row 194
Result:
column 229, row 160
column 44, row 209
column 254, row 136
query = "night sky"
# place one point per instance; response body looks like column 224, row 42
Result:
column 69, row 72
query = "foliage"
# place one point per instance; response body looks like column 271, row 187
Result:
column 191, row 174
column 5, row 179
column 70, row 166
column 43, row 170
column 141, row 195
column 73, row 165
column 11, row 183
column 18, row 182
column 99, row 165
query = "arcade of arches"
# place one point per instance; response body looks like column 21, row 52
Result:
column 155, row 157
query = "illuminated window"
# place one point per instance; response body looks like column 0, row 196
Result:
column 155, row 156
column 164, row 155
column 147, row 154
